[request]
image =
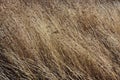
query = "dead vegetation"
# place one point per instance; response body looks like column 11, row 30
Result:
column 59, row 40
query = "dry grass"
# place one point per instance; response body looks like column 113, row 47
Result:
column 59, row 40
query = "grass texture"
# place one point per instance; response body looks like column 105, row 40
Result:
column 59, row 40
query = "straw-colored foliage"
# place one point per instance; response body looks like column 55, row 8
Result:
column 59, row 40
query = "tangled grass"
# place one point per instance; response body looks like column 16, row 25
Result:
column 59, row 40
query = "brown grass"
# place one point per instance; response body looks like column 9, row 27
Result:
column 59, row 40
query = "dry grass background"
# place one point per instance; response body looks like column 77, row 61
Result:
column 59, row 40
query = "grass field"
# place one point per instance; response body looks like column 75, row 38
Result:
column 59, row 40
